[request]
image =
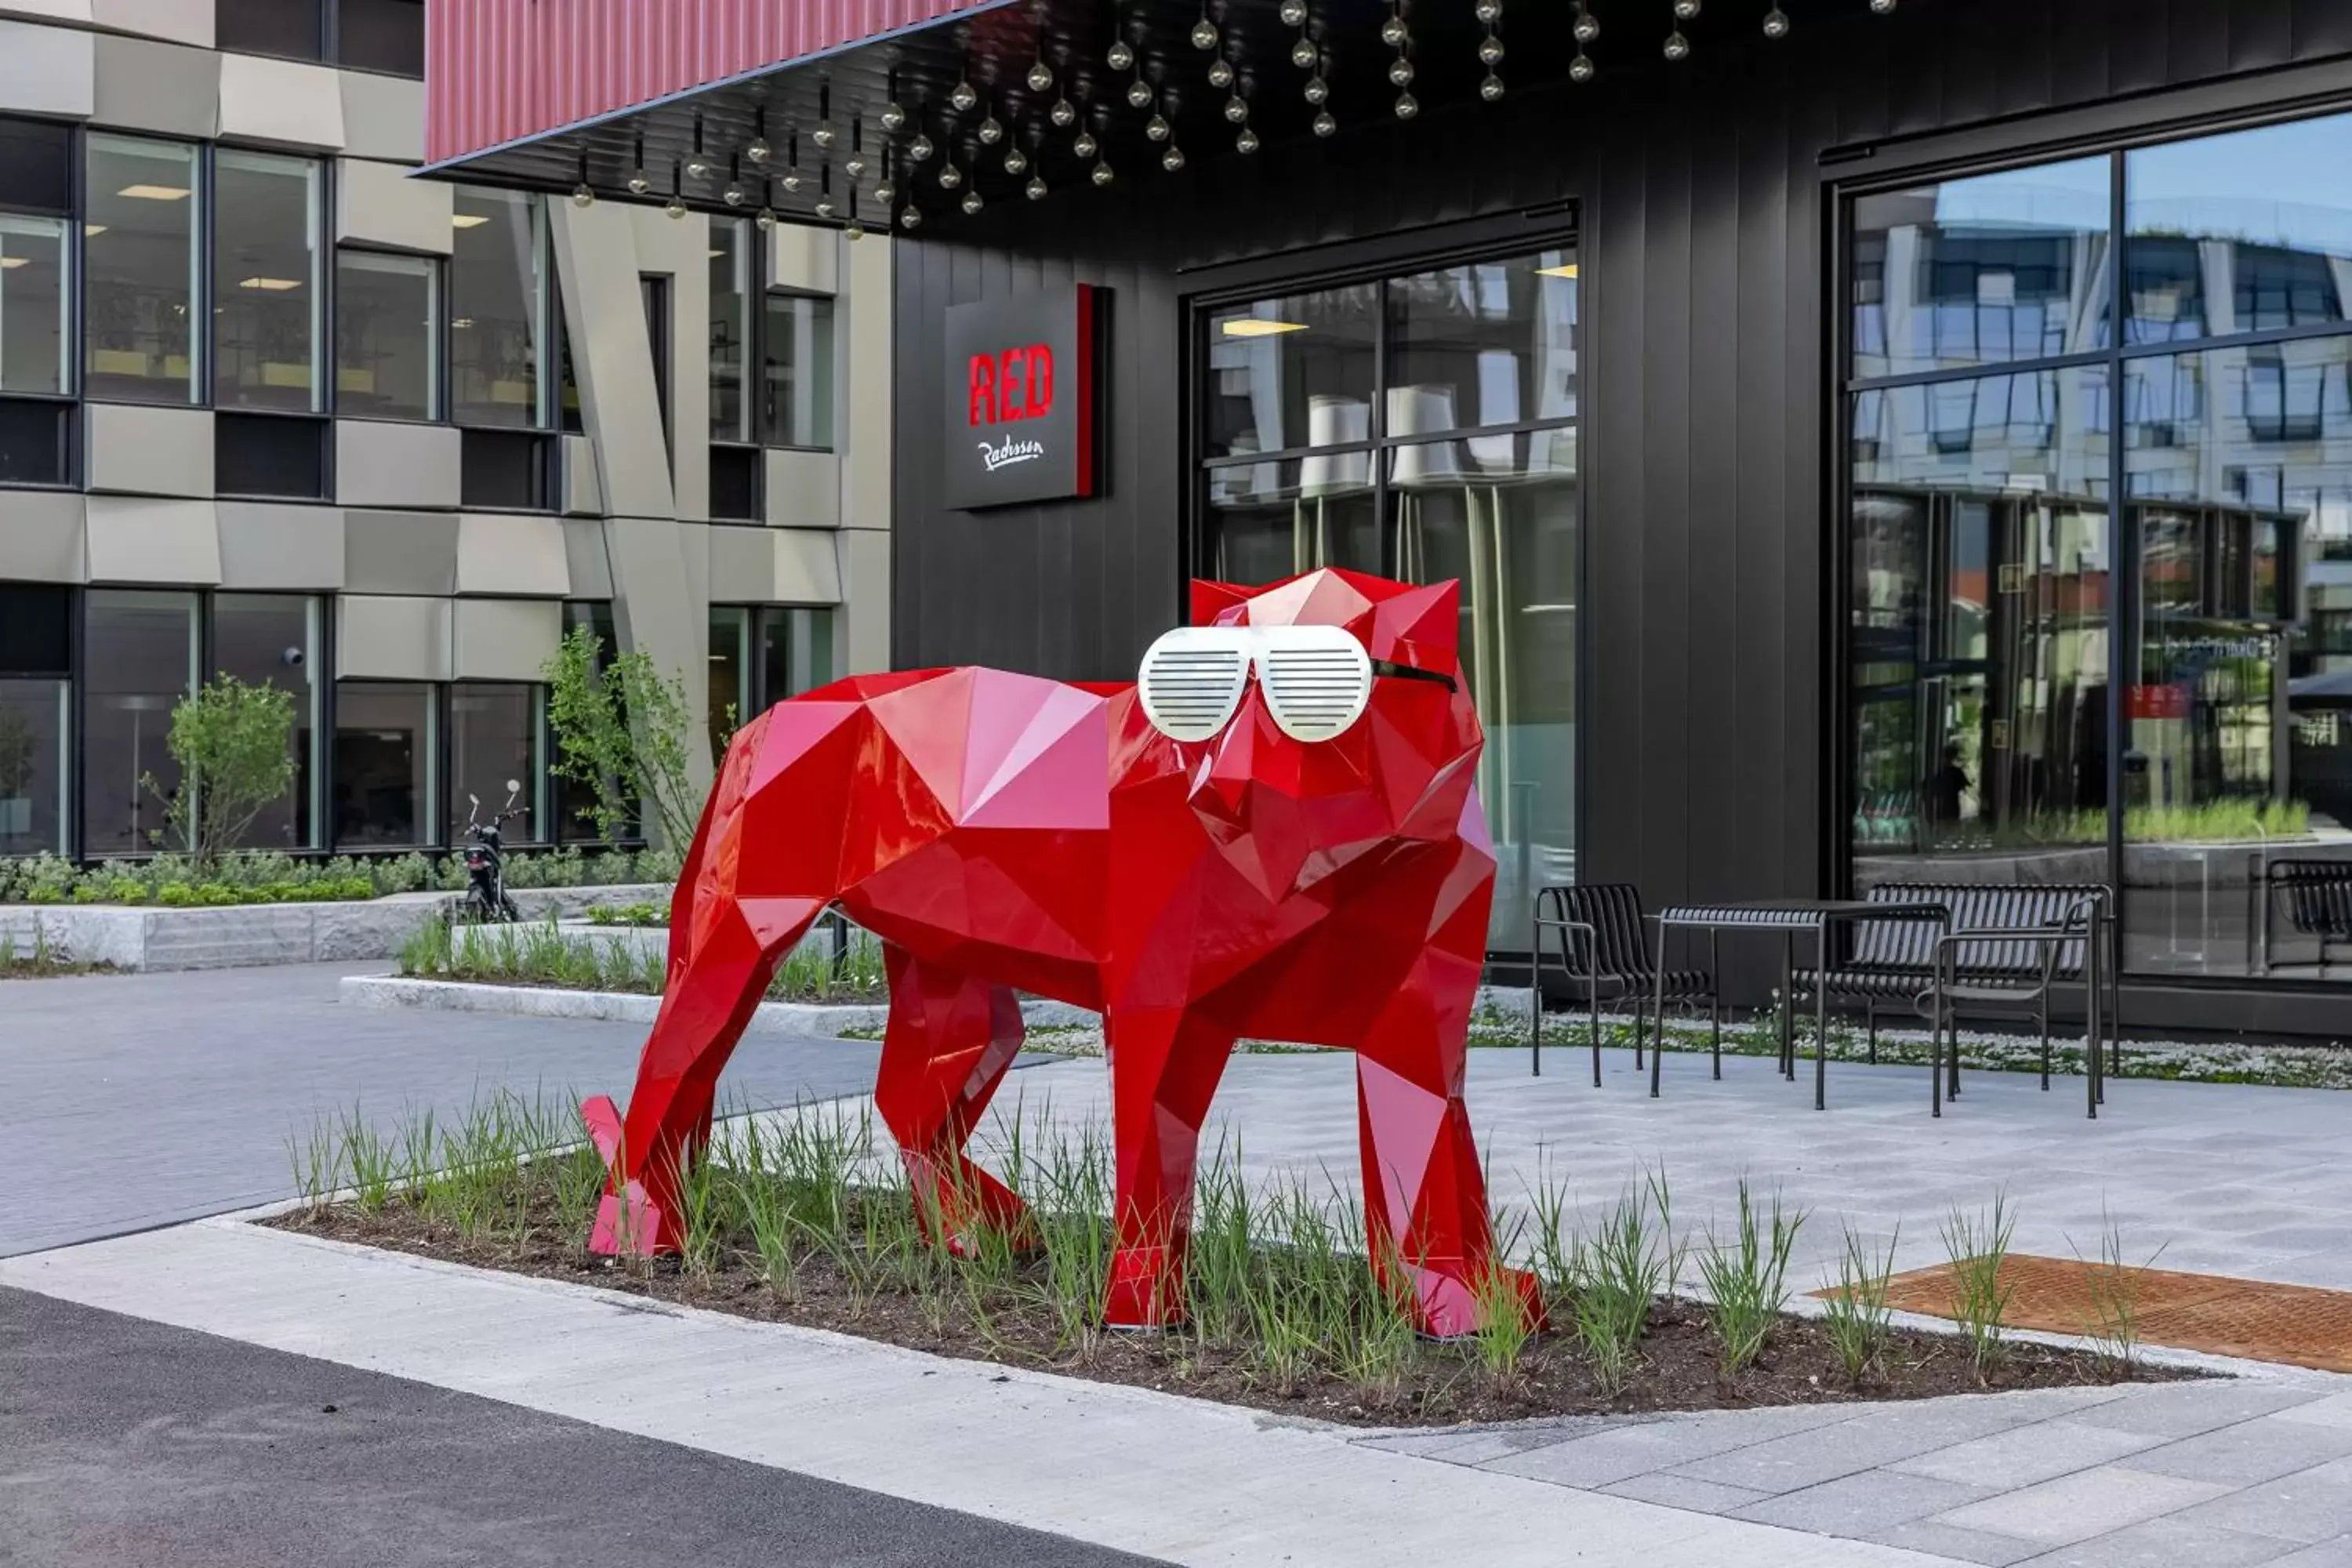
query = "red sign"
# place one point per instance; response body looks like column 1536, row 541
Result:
column 2158, row 702
column 1019, row 371
column 1016, row 383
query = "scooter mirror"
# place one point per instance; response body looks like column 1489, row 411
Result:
column 472, row 799
column 514, row 787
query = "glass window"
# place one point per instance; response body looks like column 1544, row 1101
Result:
column 1291, row 373
column 1975, row 273
column 35, row 718
column 796, row 372
column 33, row 304
column 1489, row 342
column 139, row 660
column 36, row 166
column 495, row 738
column 291, row 28
column 139, row 262
column 2243, row 233
column 270, row 454
column 273, row 640
column 731, row 696
column 734, row 249
column 796, row 653
column 574, row 802
column 1981, row 587
column 266, row 281
column 496, row 308
column 386, row 753
column 380, row 35
column 387, row 341
column 1275, row 519
column 35, row 437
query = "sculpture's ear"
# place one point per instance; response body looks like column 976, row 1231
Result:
column 1422, row 627
column 1210, row 600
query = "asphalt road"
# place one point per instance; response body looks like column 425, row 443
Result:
column 137, row 1100
column 125, row 1444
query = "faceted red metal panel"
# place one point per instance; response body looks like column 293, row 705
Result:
column 499, row 70
column 1002, row 833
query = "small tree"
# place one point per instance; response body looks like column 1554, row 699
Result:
column 233, row 742
column 621, row 728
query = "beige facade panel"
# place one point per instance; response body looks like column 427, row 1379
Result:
column 385, row 463
column 47, row 70
column 400, row 552
column 391, row 639
column 506, row 639
column 41, row 537
column 46, row 10
column 173, row 21
column 378, row 204
column 148, row 449
column 861, row 405
column 512, row 554
column 865, row 557
column 168, row 89
column 583, row 555
column 742, row 566
column 659, row 610
column 808, row 566
column 804, row 489
column 135, row 539
column 265, row 545
column 384, row 116
column 596, row 264
column 283, row 102
column 584, row 493
column 805, row 259
column 680, row 248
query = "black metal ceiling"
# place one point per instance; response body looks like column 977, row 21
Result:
column 830, row 152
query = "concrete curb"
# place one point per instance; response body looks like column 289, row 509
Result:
column 547, row 1002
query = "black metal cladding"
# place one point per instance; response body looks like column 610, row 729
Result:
column 1701, row 194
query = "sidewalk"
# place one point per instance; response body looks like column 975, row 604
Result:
column 2212, row 1474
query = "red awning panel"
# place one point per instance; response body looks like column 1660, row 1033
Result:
column 500, row 71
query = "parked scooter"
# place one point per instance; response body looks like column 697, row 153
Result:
column 485, row 862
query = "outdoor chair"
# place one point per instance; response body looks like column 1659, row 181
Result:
column 1599, row 947
column 2006, row 945
column 2316, row 897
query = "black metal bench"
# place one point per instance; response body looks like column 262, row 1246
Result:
column 1602, row 952
column 2316, row 896
column 2006, row 944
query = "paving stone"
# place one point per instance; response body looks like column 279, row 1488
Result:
column 2335, row 1554
column 2335, row 1410
column 2028, row 1455
column 2185, row 1409
column 1684, row 1492
column 2169, row 1543
column 2078, row 1507
column 1607, row 1458
column 2310, row 1506
column 1880, row 1436
column 1939, row 1540
column 2248, row 1452
column 1856, row 1505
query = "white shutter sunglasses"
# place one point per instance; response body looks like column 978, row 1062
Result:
column 1317, row 680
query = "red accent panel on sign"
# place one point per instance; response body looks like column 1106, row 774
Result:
column 497, row 72
column 1086, row 389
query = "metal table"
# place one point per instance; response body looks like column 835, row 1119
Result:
column 1790, row 918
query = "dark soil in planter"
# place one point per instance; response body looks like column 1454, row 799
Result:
column 1011, row 1322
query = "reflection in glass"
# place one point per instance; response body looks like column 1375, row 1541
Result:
column 575, row 800
column 795, row 652
column 387, row 348
column 385, row 752
column 732, row 252
column 1291, row 373
column 139, row 658
column 1971, row 272
column 494, row 736
column 796, row 372
column 731, row 673
column 35, row 721
column 1498, row 514
column 1487, row 343
column 266, row 282
column 2243, row 233
column 139, row 263
column 2238, row 760
column 495, row 308
column 1276, row 518
column 32, row 304
column 1981, row 598
column 274, row 639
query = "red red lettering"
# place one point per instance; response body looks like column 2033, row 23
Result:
column 982, row 395
column 1037, row 396
column 1012, row 370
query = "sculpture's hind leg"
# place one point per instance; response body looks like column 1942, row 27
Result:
column 1164, row 1067
column 949, row 1039
column 1424, row 1195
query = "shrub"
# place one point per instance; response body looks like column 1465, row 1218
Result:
column 234, row 745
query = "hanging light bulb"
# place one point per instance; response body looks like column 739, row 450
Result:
column 766, row 220
column 1490, row 11
column 853, row 166
column 971, row 201
column 1138, row 93
column 910, row 218
column 1086, row 146
column 1304, row 54
column 1294, row 13
column 1221, row 72
column 1120, row 55
column 1324, row 124
column 1317, row 90
column 1235, row 110
column 1776, row 23
column 1401, row 71
column 1491, row 89
column 919, row 149
column 1157, row 127
column 1882, row 7
column 1172, row 158
column 1490, row 52
column 854, row 230
column 732, row 196
column 757, row 149
column 885, row 193
column 1587, row 27
column 824, row 207
column 825, row 135
column 1393, row 31
column 1204, row 32
column 698, row 167
column 949, row 175
column 1677, row 46
column 1063, row 113
column 1040, row 77
column 1246, row 142
column 1685, row 10
column 1101, row 174
column 1036, row 189
column 992, row 131
column 639, row 183
column 581, row 196
column 1016, row 162
column 893, row 118
column 677, row 206
column 1407, row 106
column 1580, row 67
column 961, row 97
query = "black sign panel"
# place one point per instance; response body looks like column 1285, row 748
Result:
column 1021, row 398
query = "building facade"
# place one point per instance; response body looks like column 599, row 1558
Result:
column 1875, row 440
column 274, row 405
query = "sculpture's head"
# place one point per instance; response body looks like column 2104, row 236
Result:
column 1319, row 714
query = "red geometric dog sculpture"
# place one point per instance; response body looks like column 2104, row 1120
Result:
column 1175, row 856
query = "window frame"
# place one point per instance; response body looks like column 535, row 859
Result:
column 548, row 319
column 764, row 435
column 436, row 335
column 65, row 403
column 200, row 286
column 323, row 251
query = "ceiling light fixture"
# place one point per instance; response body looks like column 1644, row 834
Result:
column 1258, row 327
column 153, row 193
column 10, row 263
column 1565, row 270
column 698, row 167
column 468, row 220
column 759, row 152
